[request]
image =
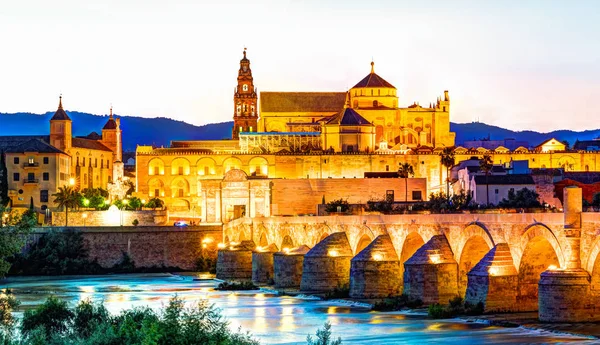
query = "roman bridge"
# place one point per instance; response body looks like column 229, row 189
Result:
column 510, row 262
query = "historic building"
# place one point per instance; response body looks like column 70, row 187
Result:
column 37, row 165
column 315, row 136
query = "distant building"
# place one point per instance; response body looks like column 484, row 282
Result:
column 587, row 145
column 37, row 165
column 508, row 143
column 498, row 186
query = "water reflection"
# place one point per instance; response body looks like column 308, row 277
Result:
column 273, row 320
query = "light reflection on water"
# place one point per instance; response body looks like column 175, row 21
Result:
column 272, row 319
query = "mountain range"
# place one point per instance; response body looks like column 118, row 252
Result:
column 160, row 131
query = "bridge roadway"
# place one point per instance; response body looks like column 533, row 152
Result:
column 495, row 258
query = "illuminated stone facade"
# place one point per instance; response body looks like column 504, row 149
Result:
column 322, row 135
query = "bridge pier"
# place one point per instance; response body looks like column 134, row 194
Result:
column 235, row 262
column 262, row 264
column 565, row 292
column 287, row 267
column 431, row 274
column 375, row 271
column 494, row 281
column 327, row 265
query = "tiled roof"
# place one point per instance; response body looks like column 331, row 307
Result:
column 504, row 179
column 310, row 102
column 9, row 141
column 92, row 136
column 373, row 80
column 89, row 144
column 349, row 117
column 110, row 124
column 33, row 145
column 585, row 144
column 60, row 113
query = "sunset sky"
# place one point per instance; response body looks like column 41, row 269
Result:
column 515, row 64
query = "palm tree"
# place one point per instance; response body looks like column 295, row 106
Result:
column 447, row 159
column 404, row 171
column 67, row 197
column 486, row 164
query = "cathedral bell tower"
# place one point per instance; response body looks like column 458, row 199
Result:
column 245, row 115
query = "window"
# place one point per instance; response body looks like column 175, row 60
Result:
column 102, row 164
column 389, row 195
column 16, row 177
column 46, row 176
column 95, row 162
column 417, row 195
column 375, row 104
column 206, row 172
column 245, row 87
column 180, row 193
column 16, row 160
column 46, row 160
column 387, row 168
column 83, row 161
column 30, row 176
column 250, row 130
column 241, row 129
column 30, row 160
column 156, row 170
column 180, row 171
column 496, row 191
column 43, row 195
column 156, row 192
column 77, row 161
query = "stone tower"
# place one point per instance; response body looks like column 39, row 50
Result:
column 61, row 134
column 111, row 136
column 245, row 115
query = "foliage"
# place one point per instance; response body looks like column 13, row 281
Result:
column 135, row 222
column 125, row 265
column 131, row 185
column 96, row 198
column 8, row 303
column 237, row 286
column 332, row 206
column 56, row 253
column 441, row 203
column 206, row 264
column 54, row 317
column 134, row 204
column 324, row 337
column 154, row 203
column 383, row 206
column 448, row 160
column 397, row 303
column 456, row 306
column 404, row 171
column 67, row 197
column 523, row 198
column 88, row 323
column 341, row 291
column 15, row 230
column 486, row 164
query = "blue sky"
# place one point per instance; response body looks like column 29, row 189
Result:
column 515, row 64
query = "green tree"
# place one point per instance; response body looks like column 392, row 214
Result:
column 486, row 164
column 523, row 198
column 8, row 303
column 15, row 230
column 134, row 203
column 447, row 159
column 155, row 203
column 324, row 337
column 54, row 316
column 66, row 197
column 405, row 170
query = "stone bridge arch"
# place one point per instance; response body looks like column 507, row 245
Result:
column 263, row 238
column 592, row 266
column 540, row 250
column 362, row 238
column 475, row 241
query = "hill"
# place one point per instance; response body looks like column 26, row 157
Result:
column 160, row 131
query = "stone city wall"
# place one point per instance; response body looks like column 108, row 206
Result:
column 301, row 196
column 112, row 217
column 148, row 246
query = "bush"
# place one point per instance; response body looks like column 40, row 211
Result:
column 523, row 198
column 237, row 286
column 324, row 337
column 397, row 303
column 332, row 206
column 54, row 317
column 8, row 303
column 126, row 265
column 206, row 264
column 135, row 222
column 154, row 203
column 341, row 291
column 56, row 253
column 455, row 308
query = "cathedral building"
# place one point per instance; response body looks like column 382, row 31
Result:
column 315, row 136
column 37, row 165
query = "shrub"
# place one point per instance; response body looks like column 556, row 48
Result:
column 154, row 203
column 54, row 317
column 8, row 303
column 237, row 286
column 341, row 291
column 324, row 337
column 206, row 264
column 332, row 206
column 125, row 265
column 135, row 222
column 397, row 303
column 438, row 311
column 455, row 308
column 523, row 198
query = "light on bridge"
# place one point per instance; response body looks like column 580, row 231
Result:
column 286, row 250
column 333, row 253
column 493, row 271
column 435, row 258
column 552, row 268
column 221, row 245
column 377, row 257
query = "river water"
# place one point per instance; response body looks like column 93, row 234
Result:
column 273, row 319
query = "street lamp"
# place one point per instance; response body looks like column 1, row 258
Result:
column 71, row 181
column 86, row 202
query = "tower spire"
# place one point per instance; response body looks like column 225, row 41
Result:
column 111, row 115
column 60, row 102
column 372, row 67
column 245, row 52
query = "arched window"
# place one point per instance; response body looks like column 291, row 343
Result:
column 245, row 87
column 375, row 104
